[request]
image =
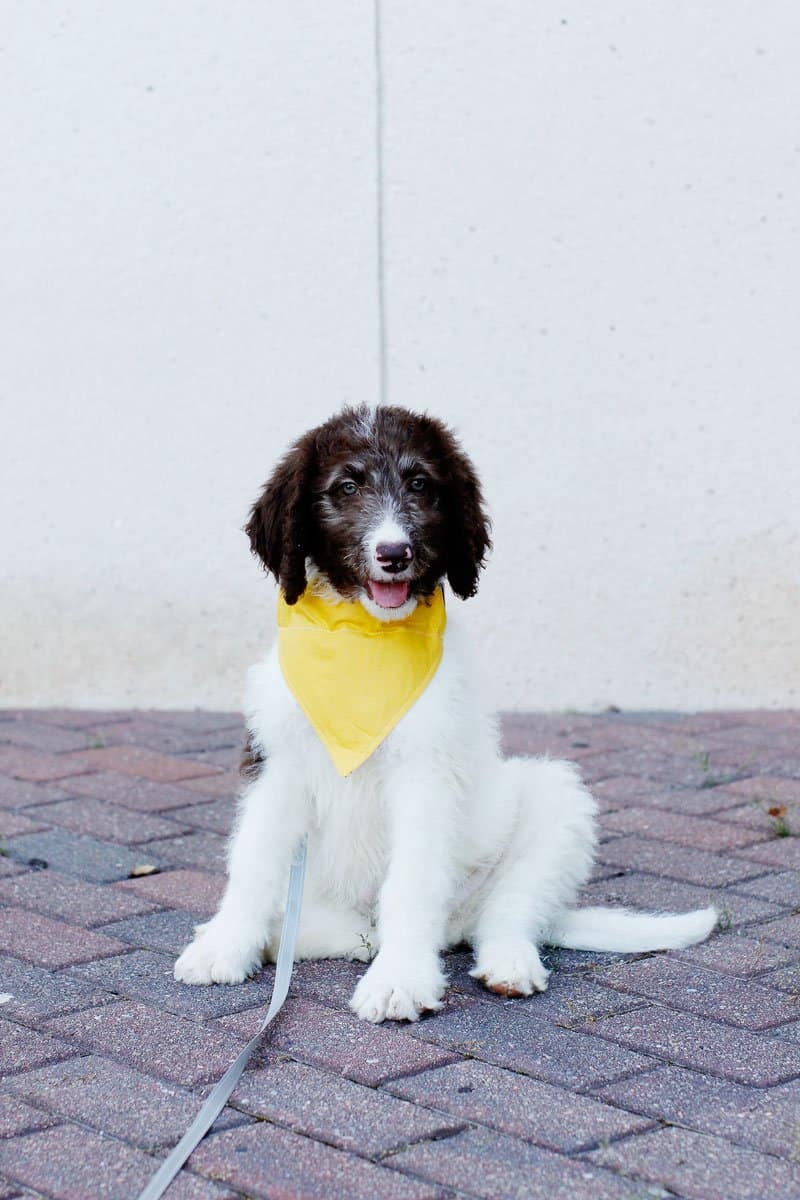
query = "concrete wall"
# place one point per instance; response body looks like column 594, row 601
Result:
column 591, row 267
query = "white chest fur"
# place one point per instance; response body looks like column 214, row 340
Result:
column 445, row 738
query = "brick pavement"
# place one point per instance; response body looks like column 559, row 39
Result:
column 633, row 1076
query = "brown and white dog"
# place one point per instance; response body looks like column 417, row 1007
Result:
column 435, row 839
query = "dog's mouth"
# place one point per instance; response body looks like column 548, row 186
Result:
column 388, row 595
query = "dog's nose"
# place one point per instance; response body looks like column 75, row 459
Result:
column 393, row 556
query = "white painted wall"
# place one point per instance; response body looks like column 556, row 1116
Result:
column 188, row 281
column 592, row 268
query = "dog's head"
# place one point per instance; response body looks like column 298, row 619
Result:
column 379, row 503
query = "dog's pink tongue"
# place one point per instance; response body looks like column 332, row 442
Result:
column 388, row 595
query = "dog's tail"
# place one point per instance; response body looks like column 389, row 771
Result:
column 624, row 931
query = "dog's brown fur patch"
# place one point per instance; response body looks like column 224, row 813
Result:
column 304, row 511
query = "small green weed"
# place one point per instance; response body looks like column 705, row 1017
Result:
column 725, row 919
column 368, row 946
column 778, row 814
column 712, row 778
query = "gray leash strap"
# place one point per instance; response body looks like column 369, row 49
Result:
column 216, row 1100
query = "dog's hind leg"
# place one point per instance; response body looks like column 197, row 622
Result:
column 549, row 858
column 327, row 931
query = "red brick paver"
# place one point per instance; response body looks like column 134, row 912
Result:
column 703, row 1167
column 140, row 762
column 196, row 891
column 73, row 1163
column 48, row 943
column 105, row 1058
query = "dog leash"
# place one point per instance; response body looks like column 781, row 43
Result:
column 216, row 1100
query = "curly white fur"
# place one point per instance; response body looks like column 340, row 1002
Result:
column 434, row 840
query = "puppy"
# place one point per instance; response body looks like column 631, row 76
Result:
column 434, row 839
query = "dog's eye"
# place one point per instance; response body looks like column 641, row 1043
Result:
column 348, row 488
column 418, row 483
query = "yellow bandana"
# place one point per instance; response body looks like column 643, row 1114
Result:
column 353, row 675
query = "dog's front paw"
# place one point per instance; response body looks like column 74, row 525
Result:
column 398, row 989
column 209, row 959
column 510, row 967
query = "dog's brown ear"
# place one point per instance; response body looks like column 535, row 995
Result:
column 279, row 522
column 468, row 526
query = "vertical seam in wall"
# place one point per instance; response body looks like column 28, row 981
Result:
column 383, row 380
